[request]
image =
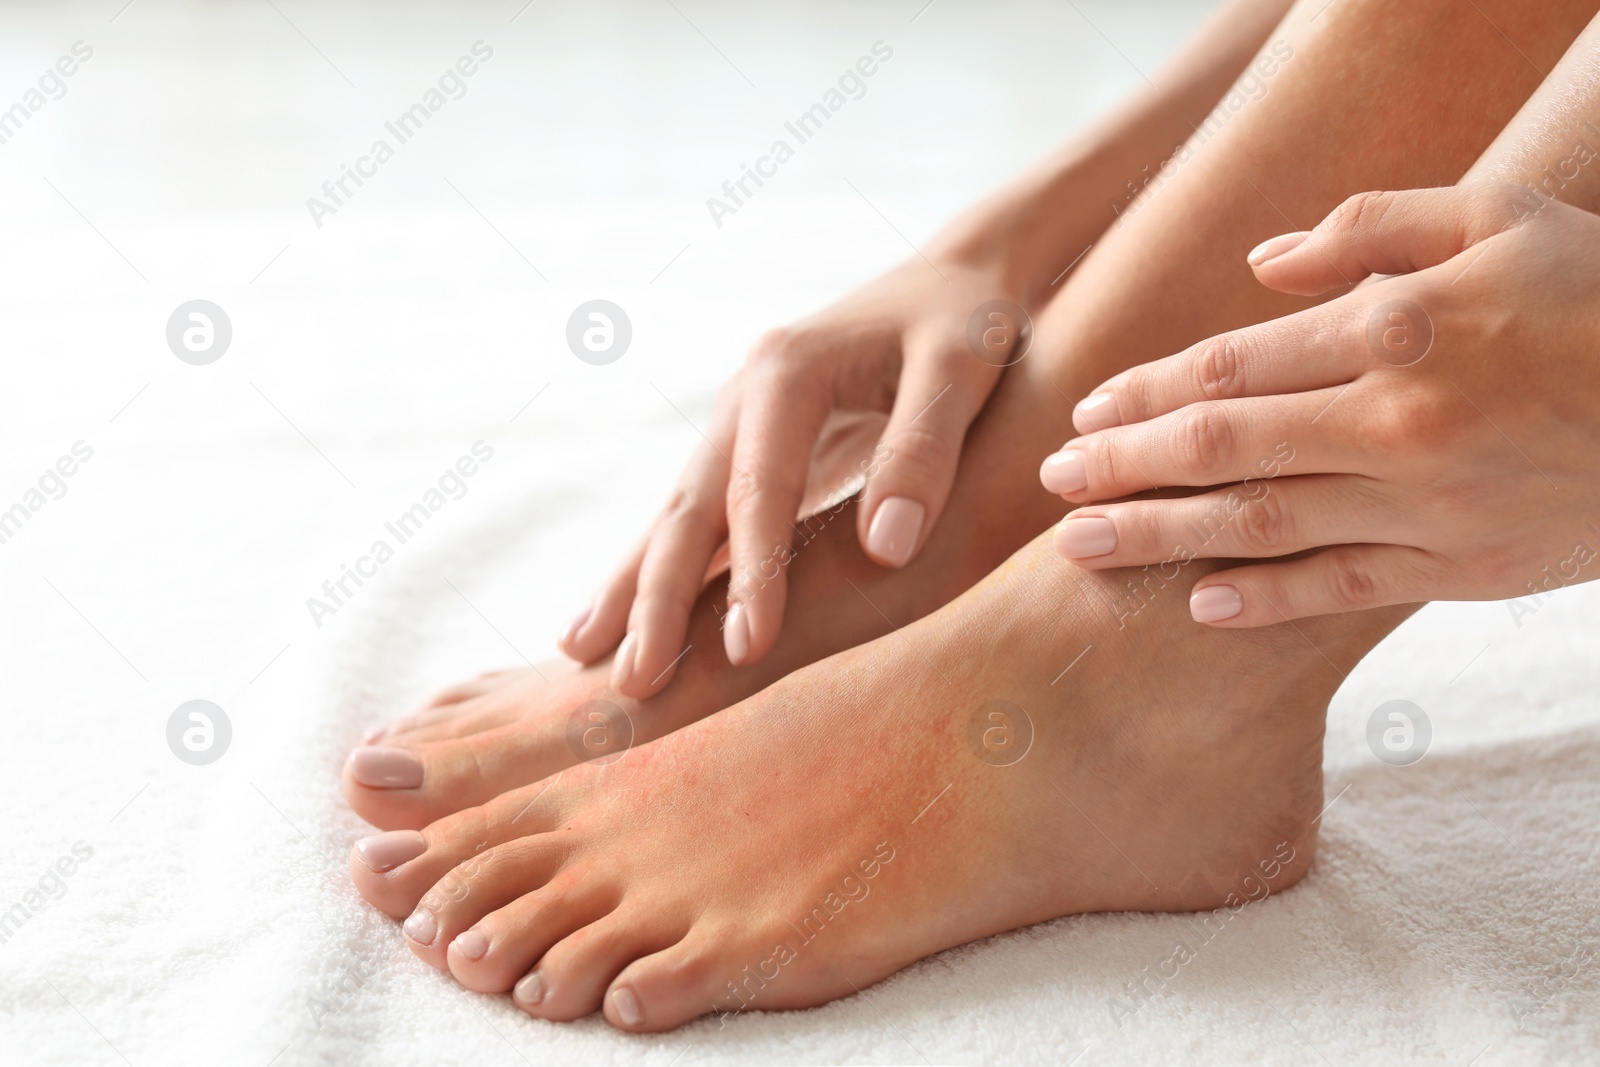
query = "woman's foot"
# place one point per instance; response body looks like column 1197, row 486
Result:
column 949, row 781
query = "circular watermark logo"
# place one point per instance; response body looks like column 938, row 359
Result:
column 599, row 731
column 1399, row 332
column 199, row 332
column 598, row 332
column 198, row 732
column 999, row 333
column 1399, row 733
column 999, row 732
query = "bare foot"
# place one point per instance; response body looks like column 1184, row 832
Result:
column 510, row 728
column 880, row 806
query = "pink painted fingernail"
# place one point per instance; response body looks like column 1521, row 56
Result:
column 627, row 1005
column 373, row 735
column 1097, row 412
column 1086, row 538
column 385, row 852
column 1064, row 472
column 529, row 989
column 736, row 633
column 577, row 624
column 385, row 768
column 626, row 653
column 1215, row 603
column 892, row 537
column 422, row 927
column 1273, row 247
column 472, row 944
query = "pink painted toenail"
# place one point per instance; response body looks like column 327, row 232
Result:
column 736, row 633
column 627, row 1006
column 373, row 734
column 386, row 768
column 1215, row 603
column 1086, row 538
column 1097, row 412
column 892, row 537
column 471, row 944
column 422, row 927
column 530, row 990
column 1064, row 472
column 385, row 852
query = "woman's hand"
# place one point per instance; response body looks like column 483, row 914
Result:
column 1429, row 436
column 808, row 395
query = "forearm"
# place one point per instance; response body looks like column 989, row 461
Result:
column 1038, row 223
column 1553, row 143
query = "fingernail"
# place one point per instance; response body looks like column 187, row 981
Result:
column 422, row 927
column 577, row 624
column 529, row 989
column 627, row 1005
column 892, row 537
column 736, row 633
column 373, row 734
column 1273, row 247
column 472, row 944
column 1097, row 412
column 626, row 652
column 1064, row 472
column 1215, row 603
column 386, row 768
column 1086, row 538
column 385, row 852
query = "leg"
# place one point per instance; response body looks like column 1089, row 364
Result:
column 1170, row 273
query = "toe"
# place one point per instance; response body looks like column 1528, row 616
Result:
column 481, row 884
column 573, row 975
column 668, row 988
column 503, row 945
column 394, row 874
column 407, row 787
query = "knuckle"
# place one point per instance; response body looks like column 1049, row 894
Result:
column 1360, row 212
column 775, row 346
column 923, row 451
column 688, row 506
column 1265, row 526
column 1218, row 367
column 1415, row 417
column 1204, row 442
column 1104, row 465
column 744, row 494
column 1350, row 584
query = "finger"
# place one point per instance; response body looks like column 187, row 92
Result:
column 941, row 391
column 1385, row 233
column 672, row 575
column 783, row 412
column 599, row 627
column 1346, row 578
column 1310, row 349
column 1262, row 519
column 1210, row 443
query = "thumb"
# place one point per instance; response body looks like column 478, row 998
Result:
column 1384, row 233
column 941, row 391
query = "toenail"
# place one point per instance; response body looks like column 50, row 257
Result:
column 373, row 734
column 385, row 852
column 530, row 990
column 1215, row 603
column 1097, row 412
column 471, row 944
column 892, row 537
column 386, row 768
column 736, row 633
column 627, row 1005
column 1086, row 538
column 422, row 927
column 1064, row 472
